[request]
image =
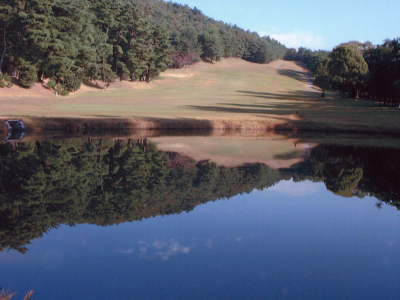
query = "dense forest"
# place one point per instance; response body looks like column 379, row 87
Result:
column 45, row 184
column 71, row 41
column 356, row 69
column 105, row 182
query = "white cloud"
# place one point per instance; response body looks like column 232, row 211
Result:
column 298, row 39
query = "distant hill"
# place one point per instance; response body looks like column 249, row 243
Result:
column 190, row 29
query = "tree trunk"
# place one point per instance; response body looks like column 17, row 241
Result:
column 41, row 71
column 5, row 47
column 14, row 69
column 40, row 74
column 147, row 75
column 103, row 68
column 115, row 52
column 1, row 174
column 111, row 163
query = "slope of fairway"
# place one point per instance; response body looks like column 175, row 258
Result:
column 231, row 93
column 202, row 91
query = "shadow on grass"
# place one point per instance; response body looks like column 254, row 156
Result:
column 295, row 95
column 300, row 76
column 106, row 116
column 282, row 109
column 93, row 85
column 301, row 101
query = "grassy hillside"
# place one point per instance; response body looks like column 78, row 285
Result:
column 228, row 93
column 202, row 91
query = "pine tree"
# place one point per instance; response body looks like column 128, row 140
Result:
column 211, row 46
column 322, row 78
column 348, row 70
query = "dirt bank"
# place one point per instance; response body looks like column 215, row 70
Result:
column 290, row 125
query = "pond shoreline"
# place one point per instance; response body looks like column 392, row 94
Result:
column 291, row 125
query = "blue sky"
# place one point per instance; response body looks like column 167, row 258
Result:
column 309, row 23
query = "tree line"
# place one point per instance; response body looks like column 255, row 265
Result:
column 71, row 41
column 356, row 69
column 351, row 171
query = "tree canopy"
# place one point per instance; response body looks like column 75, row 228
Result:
column 356, row 69
column 348, row 70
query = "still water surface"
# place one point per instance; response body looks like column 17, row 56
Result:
column 134, row 222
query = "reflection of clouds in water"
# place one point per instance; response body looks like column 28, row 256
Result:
column 294, row 189
column 127, row 251
column 238, row 238
column 391, row 243
column 165, row 249
column 158, row 245
column 162, row 249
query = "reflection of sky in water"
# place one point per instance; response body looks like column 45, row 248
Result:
column 293, row 241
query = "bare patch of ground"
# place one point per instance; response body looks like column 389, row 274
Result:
column 39, row 90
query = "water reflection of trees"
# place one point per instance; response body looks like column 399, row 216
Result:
column 104, row 182
column 353, row 171
column 45, row 184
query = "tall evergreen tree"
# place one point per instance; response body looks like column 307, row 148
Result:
column 384, row 64
column 348, row 70
column 211, row 46
column 321, row 73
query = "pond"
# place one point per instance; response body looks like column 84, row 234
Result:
column 199, row 218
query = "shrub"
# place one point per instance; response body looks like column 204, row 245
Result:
column 7, row 78
column 60, row 89
column 5, row 81
column 72, row 83
column 64, row 93
column 177, row 60
column 27, row 75
column 51, row 84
